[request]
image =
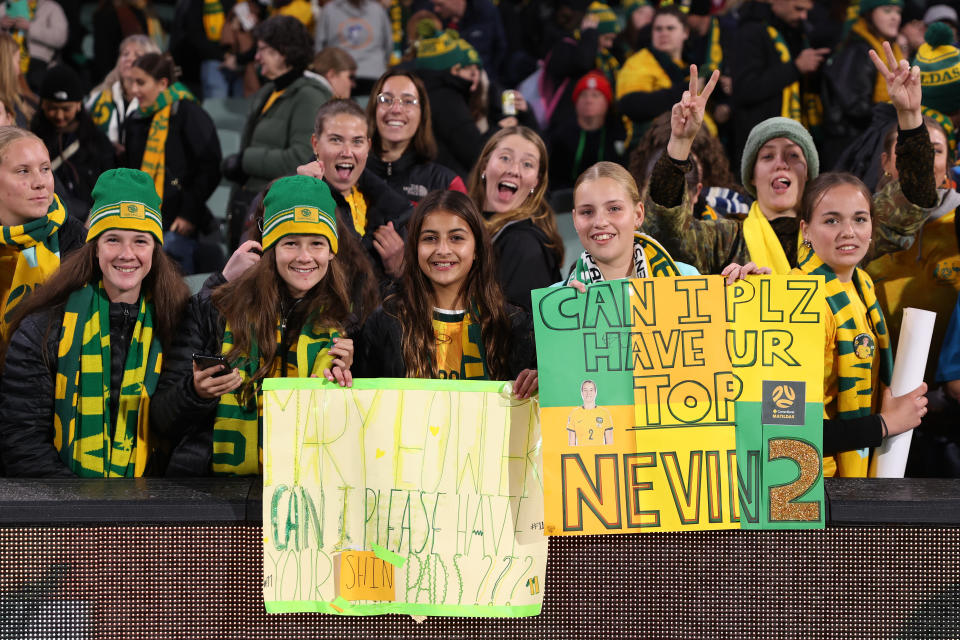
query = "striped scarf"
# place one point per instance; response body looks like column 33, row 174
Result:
column 714, row 51
column 763, row 245
column 237, row 428
column 212, row 19
column 154, row 161
column 102, row 110
column 804, row 107
column 29, row 254
column 88, row 444
column 854, row 352
column 650, row 259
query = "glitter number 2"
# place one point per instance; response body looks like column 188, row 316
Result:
column 782, row 497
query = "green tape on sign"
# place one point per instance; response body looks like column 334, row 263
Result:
column 388, row 556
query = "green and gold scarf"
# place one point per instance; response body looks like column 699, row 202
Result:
column 804, row 107
column 650, row 259
column 212, row 19
column 29, row 254
column 714, row 51
column 88, row 444
column 102, row 110
column 237, row 428
column 154, row 162
column 856, row 341
column 20, row 37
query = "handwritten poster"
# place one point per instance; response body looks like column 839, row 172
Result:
column 402, row 496
column 681, row 404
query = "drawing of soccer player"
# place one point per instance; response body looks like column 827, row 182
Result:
column 589, row 424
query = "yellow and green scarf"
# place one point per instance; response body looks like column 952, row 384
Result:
column 804, row 107
column 20, row 37
column 88, row 444
column 714, row 51
column 879, row 84
column 213, row 19
column 855, row 378
column 154, row 160
column 102, row 110
column 237, row 428
column 650, row 259
column 29, row 254
column 763, row 245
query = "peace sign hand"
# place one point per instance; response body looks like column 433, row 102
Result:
column 687, row 115
column 903, row 86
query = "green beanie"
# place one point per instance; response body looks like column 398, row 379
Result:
column 866, row 6
column 606, row 18
column 125, row 199
column 299, row 205
column 442, row 51
column 939, row 63
column 629, row 6
column 777, row 128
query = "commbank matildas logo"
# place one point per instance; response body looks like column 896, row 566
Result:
column 783, row 402
column 306, row 214
column 131, row 210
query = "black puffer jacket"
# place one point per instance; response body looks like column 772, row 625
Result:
column 379, row 347
column 177, row 412
column 27, row 389
column 192, row 157
column 384, row 205
column 414, row 178
column 524, row 261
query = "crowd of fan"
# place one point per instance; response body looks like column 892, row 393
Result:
column 395, row 195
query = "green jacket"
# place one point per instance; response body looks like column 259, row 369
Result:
column 275, row 143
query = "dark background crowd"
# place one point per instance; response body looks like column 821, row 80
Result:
column 216, row 99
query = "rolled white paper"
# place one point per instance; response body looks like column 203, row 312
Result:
column 912, row 351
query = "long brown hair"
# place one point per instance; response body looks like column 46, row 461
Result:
column 423, row 142
column 251, row 304
column 164, row 284
column 413, row 304
column 535, row 207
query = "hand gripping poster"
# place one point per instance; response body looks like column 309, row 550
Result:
column 402, row 496
column 672, row 404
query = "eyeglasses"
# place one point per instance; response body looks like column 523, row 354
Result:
column 407, row 102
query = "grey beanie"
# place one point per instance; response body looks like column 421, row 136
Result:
column 777, row 128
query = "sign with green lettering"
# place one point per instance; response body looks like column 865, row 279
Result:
column 401, row 496
column 682, row 403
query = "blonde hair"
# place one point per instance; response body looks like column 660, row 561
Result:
column 10, row 81
column 613, row 171
column 534, row 207
column 146, row 44
column 10, row 134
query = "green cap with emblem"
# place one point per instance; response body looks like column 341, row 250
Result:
column 125, row 199
column 299, row 205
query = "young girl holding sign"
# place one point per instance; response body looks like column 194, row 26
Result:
column 449, row 319
column 837, row 224
column 282, row 317
column 607, row 214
